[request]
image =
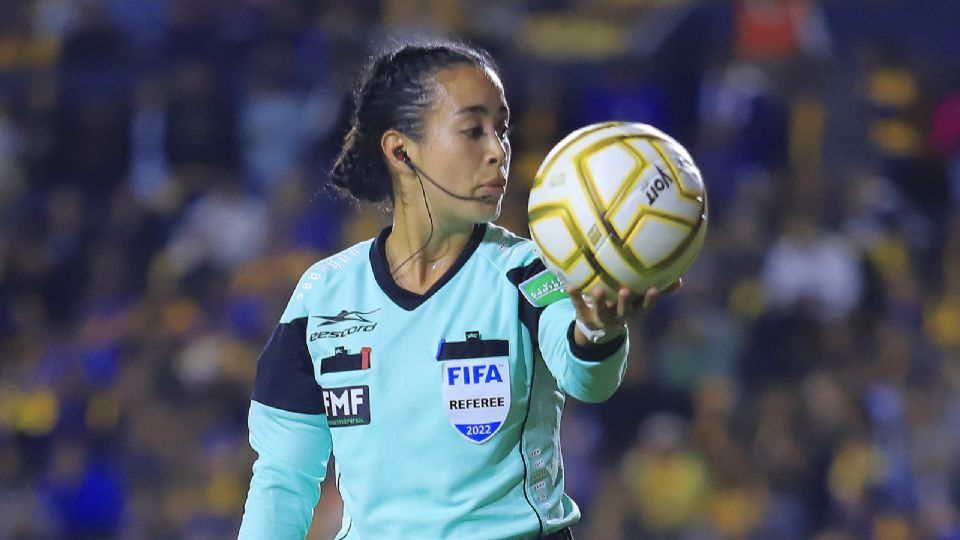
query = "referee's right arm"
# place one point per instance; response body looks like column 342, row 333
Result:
column 289, row 432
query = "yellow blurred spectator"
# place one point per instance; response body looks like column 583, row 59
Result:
column 892, row 527
column 856, row 466
column 668, row 482
column 37, row 412
column 735, row 512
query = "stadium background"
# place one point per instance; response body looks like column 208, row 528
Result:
column 161, row 189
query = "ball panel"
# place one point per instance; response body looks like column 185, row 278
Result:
column 646, row 130
column 674, row 157
column 555, row 239
column 580, row 274
column 683, row 257
column 610, row 168
column 656, row 238
column 657, row 192
column 622, row 266
column 577, row 214
column 689, row 180
column 579, row 267
column 571, row 144
column 623, row 217
column 608, row 291
column 565, row 193
column 588, row 223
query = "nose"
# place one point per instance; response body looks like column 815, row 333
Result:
column 500, row 149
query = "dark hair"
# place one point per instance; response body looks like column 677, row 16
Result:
column 395, row 92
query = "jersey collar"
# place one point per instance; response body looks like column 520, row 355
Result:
column 409, row 300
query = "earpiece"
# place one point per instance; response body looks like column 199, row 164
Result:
column 400, row 154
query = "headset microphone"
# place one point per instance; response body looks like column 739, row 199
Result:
column 400, row 154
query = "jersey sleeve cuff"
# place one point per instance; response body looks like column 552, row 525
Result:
column 594, row 352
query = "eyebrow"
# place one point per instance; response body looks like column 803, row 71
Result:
column 481, row 109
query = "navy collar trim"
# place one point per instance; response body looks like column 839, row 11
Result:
column 409, row 300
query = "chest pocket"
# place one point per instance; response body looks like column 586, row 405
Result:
column 344, row 361
column 476, row 385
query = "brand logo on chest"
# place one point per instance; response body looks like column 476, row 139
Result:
column 366, row 324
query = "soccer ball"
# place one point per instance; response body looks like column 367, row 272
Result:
column 618, row 203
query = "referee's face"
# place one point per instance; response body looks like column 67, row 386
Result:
column 466, row 149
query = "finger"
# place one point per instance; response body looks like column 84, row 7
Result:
column 624, row 305
column 577, row 298
column 581, row 304
column 600, row 307
column 599, row 297
column 614, row 310
column 650, row 298
column 611, row 304
column 587, row 297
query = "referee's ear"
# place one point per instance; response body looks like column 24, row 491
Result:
column 395, row 152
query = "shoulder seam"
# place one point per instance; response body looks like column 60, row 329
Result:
column 339, row 260
column 504, row 243
column 345, row 256
column 318, row 272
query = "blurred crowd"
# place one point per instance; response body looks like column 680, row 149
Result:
column 162, row 188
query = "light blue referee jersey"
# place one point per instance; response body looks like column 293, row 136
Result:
column 442, row 409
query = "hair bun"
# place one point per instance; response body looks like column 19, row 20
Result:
column 356, row 171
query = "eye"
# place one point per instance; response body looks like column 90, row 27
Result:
column 474, row 132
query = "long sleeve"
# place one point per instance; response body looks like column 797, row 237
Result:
column 293, row 451
column 589, row 373
column 289, row 432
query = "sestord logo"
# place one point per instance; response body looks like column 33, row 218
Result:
column 344, row 316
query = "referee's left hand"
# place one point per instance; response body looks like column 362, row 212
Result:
column 596, row 312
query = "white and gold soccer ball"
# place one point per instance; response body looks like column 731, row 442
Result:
column 618, row 203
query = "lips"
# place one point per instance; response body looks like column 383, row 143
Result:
column 497, row 185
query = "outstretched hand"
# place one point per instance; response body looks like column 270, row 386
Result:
column 597, row 313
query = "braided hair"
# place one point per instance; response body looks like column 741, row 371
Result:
column 395, row 92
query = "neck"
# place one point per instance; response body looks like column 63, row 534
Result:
column 418, row 257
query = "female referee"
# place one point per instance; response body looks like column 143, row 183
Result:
column 432, row 360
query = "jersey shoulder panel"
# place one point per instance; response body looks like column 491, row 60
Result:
column 519, row 260
column 506, row 250
column 327, row 272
